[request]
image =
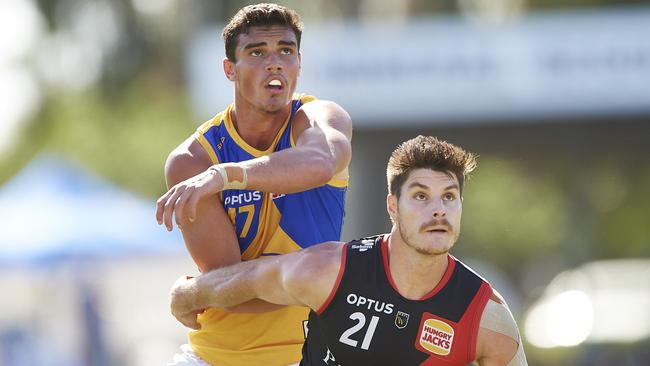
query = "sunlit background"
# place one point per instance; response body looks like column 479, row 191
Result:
column 553, row 95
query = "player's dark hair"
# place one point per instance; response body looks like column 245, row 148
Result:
column 259, row 15
column 427, row 152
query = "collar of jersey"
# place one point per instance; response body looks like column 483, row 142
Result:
column 232, row 131
column 451, row 264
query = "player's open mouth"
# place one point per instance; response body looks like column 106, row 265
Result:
column 275, row 84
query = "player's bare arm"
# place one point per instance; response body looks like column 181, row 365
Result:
column 498, row 342
column 322, row 131
column 303, row 278
column 210, row 238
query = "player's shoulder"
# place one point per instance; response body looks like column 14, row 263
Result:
column 186, row 160
column 498, row 338
column 497, row 317
column 467, row 272
column 215, row 121
column 324, row 113
column 311, row 105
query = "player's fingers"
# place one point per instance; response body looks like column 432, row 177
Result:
column 192, row 202
column 160, row 205
column 169, row 208
column 180, row 205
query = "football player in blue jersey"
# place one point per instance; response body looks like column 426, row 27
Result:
column 265, row 176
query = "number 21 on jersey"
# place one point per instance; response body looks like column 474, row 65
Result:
column 360, row 318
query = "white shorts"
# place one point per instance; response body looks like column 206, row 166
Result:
column 187, row 357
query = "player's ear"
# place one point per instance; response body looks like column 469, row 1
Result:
column 229, row 69
column 391, row 206
column 299, row 63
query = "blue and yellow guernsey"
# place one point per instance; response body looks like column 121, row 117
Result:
column 267, row 224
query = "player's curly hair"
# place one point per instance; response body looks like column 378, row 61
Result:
column 427, row 152
column 257, row 15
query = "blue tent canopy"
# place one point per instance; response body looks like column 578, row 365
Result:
column 54, row 210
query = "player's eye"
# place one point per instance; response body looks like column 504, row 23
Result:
column 256, row 53
column 449, row 196
column 286, row 51
column 420, row 196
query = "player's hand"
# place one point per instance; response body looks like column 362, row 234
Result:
column 182, row 302
column 181, row 200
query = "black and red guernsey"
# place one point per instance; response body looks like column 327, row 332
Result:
column 365, row 321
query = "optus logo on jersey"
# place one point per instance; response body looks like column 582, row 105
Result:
column 244, row 197
column 247, row 197
column 370, row 304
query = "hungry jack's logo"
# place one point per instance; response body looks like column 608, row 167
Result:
column 435, row 336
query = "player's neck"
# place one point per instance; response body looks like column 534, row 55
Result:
column 257, row 128
column 414, row 274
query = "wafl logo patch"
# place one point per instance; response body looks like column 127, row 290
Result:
column 401, row 319
column 435, row 336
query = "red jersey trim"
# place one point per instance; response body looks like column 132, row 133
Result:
column 335, row 288
column 475, row 310
column 451, row 264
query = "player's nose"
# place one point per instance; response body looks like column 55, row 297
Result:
column 274, row 64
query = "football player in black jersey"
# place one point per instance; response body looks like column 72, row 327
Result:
column 393, row 299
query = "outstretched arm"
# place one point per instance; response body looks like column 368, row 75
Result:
column 322, row 131
column 302, row 278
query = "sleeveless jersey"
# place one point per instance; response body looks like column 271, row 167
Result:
column 266, row 224
column 365, row 321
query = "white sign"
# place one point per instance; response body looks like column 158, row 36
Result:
column 441, row 69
